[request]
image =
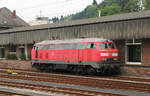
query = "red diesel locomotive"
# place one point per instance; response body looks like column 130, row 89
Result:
column 87, row 55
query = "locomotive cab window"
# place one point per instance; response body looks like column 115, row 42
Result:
column 91, row 45
column 103, row 45
column 34, row 47
column 111, row 45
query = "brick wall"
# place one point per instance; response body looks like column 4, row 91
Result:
column 146, row 52
column 135, row 70
column 120, row 44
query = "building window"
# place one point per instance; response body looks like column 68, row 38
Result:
column 103, row 45
column 133, row 52
column 91, row 45
column 2, row 52
column 21, row 50
column 12, row 48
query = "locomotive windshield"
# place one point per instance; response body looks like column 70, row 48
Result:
column 103, row 45
column 111, row 45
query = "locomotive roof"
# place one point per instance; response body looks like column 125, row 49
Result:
column 72, row 41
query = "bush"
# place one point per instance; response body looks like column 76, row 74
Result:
column 22, row 56
column 11, row 56
column 29, row 56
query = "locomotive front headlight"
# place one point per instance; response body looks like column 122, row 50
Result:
column 114, row 54
column 104, row 54
column 104, row 59
column 114, row 59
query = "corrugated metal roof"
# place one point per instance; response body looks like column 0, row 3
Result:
column 119, row 17
column 71, row 41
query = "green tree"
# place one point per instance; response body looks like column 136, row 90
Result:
column 90, row 12
column 110, row 10
column 94, row 2
column 55, row 19
column 147, row 4
column 122, row 4
column 132, row 6
column 61, row 18
column 125, row 5
column 109, row 7
column 108, row 3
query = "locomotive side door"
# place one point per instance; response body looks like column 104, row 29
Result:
column 36, row 52
column 90, row 51
column 81, row 48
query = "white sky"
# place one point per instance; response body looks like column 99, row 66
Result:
column 30, row 9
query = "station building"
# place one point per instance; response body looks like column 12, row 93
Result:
column 130, row 32
column 9, row 20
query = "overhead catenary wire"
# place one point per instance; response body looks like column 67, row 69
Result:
column 55, row 4
column 59, row 13
column 56, row 13
column 51, row 7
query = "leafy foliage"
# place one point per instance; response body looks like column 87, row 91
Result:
column 132, row 6
column 94, row 2
column 110, row 10
column 55, row 19
column 147, row 4
column 125, row 6
column 22, row 56
column 11, row 56
column 108, row 7
column 90, row 12
column 29, row 56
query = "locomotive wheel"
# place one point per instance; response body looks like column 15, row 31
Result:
column 51, row 68
column 70, row 68
column 74, row 70
column 82, row 70
column 41, row 68
column 116, row 70
column 90, row 71
column 33, row 65
column 78, row 70
column 105, row 71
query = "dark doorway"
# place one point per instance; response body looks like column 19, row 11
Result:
column 36, row 53
column 21, row 51
column 134, row 53
column 2, row 52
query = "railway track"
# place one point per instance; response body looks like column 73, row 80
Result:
column 58, row 90
column 125, row 83
column 45, row 74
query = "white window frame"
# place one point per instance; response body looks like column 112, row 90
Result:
column 126, row 54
